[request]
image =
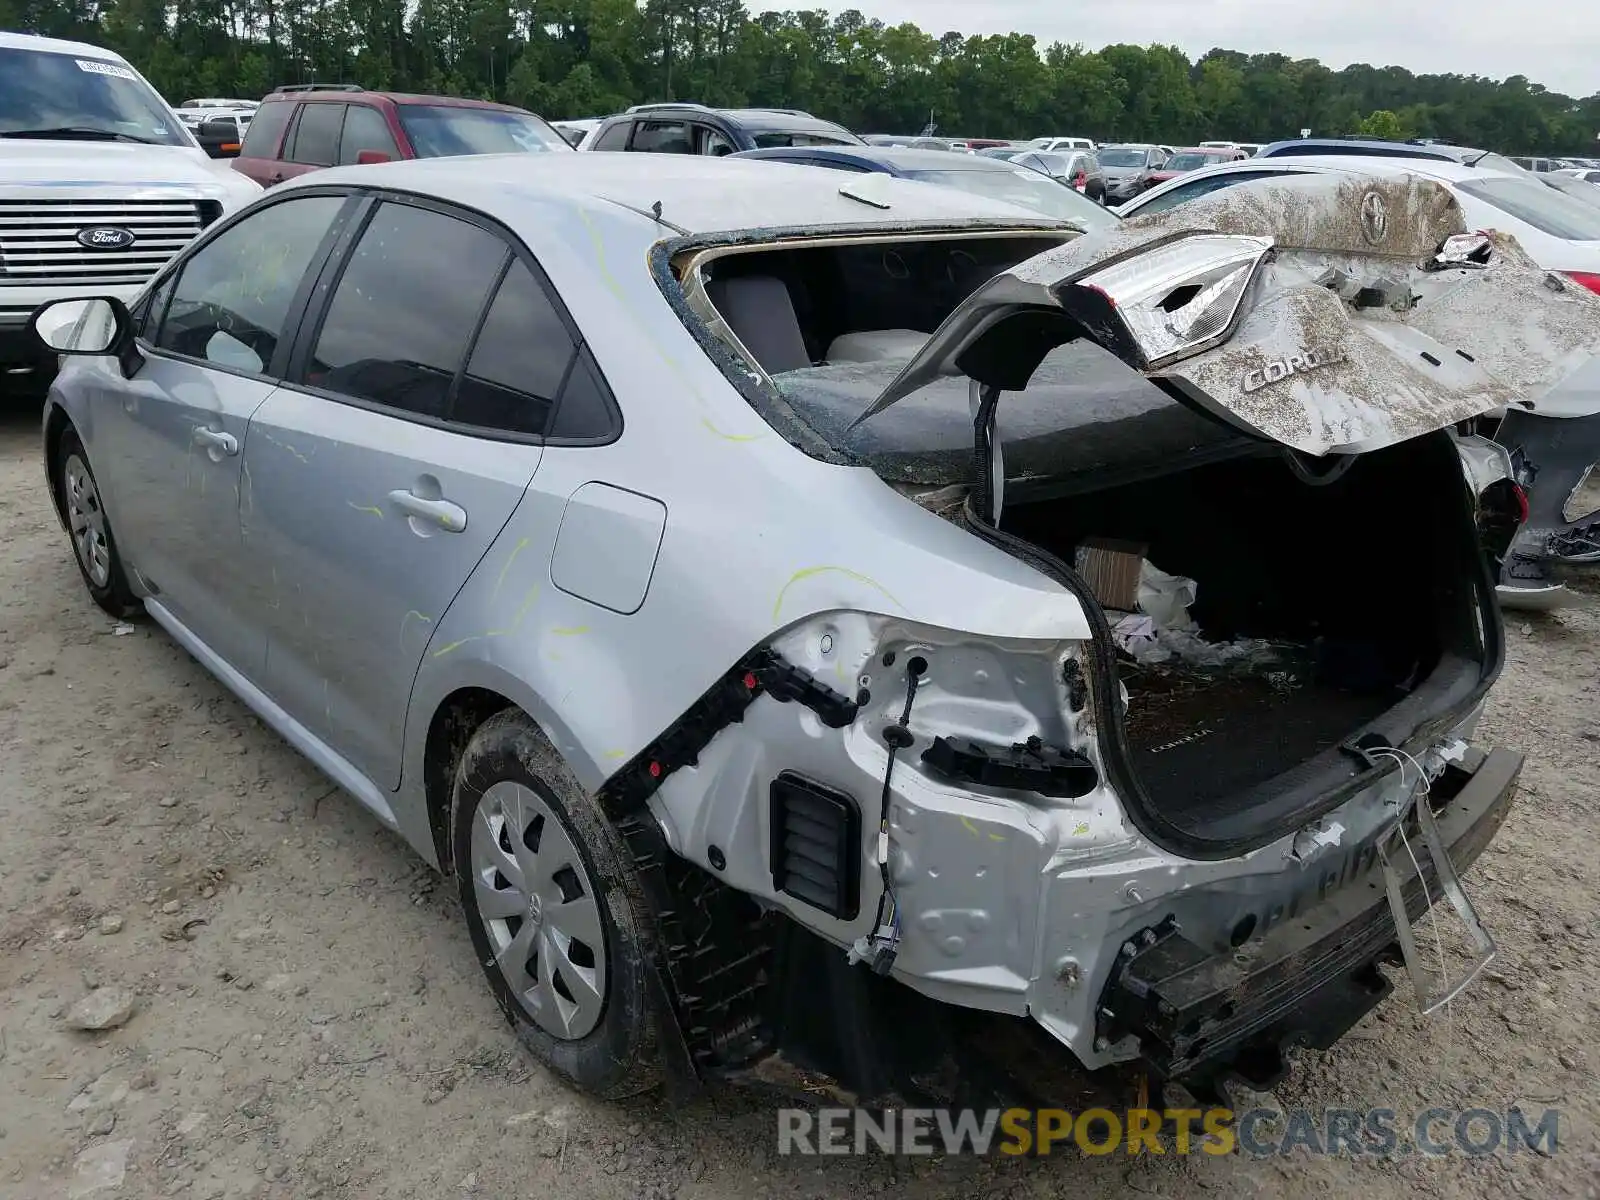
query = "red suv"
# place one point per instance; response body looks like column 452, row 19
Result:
column 297, row 130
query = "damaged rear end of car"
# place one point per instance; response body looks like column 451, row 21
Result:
column 1182, row 816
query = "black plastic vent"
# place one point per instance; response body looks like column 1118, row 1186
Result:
column 816, row 845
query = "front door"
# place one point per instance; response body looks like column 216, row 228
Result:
column 371, row 506
column 176, row 432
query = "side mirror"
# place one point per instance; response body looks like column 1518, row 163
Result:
column 94, row 326
column 367, row 158
column 219, row 139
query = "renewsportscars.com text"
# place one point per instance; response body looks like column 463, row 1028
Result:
column 1259, row 1132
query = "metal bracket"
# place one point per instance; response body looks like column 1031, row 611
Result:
column 1450, row 886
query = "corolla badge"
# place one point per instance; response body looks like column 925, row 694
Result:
column 106, row 237
column 1296, row 364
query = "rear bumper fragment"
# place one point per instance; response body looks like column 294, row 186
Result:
column 1202, row 1016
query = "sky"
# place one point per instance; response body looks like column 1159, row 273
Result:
column 1553, row 42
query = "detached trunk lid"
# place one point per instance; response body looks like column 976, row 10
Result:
column 1350, row 334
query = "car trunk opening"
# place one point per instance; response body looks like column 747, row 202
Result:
column 1326, row 615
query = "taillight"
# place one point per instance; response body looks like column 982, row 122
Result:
column 1080, row 181
column 1589, row 279
column 1521, row 498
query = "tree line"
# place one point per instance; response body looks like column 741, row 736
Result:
column 575, row 58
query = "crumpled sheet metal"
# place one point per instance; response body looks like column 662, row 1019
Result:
column 1342, row 379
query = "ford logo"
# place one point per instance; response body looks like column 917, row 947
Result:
column 106, row 237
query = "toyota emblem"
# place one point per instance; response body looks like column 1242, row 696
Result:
column 1374, row 218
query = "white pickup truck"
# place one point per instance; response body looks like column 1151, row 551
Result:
column 100, row 184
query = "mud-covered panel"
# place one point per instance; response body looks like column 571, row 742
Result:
column 1302, row 372
column 1332, row 215
column 1531, row 328
column 1403, row 217
column 1347, row 340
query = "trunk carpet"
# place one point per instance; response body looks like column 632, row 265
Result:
column 1198, row 740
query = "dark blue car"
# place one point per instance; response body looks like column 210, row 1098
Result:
column 991, row 178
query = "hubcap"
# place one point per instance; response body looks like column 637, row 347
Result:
column 539, row 909
column 87, row 522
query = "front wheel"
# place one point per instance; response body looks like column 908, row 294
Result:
column 554, row 909
column 93, row 545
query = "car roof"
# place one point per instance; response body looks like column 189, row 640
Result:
column 890, row 158
column 333, row 96
column 29, row 41
column 1374, row 147
column 698, row 194
column 763, row 118
column 1444, row 170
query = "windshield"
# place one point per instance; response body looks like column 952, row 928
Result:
column 767, row 138
column 1193, row 162
column 41, row 91
column 1028, row 188
column 1122, row 158
column 445, row 130
column 1546, row 209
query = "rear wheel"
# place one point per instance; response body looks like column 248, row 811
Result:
column 554, row 910
column 94, row 547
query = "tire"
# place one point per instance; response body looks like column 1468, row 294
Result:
column 94, row 547
column 589, row 1018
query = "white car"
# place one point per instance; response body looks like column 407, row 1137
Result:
column 100, row 184
column 239, row 118
column 1587, row 174
column 212, row 102
column 575, row 130
column 1057, row 145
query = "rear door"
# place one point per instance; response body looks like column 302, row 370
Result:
column 313, row 140
column 366, row 130
column 386, row 466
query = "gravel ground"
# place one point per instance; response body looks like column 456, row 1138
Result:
column 308, row 1020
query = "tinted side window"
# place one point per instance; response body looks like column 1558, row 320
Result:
column 365, row 129
column 232, row 299
column 663, row 137
column 147, row 317
column 585, row 412
column 614, row 138
column 266, row 131
column 316, row 135
column 713, row 141
column 398, row 325
column 519, row 361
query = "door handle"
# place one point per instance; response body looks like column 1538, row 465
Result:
column 216, row 439
column 437, row 514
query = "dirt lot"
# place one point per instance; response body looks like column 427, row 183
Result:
column 310, row 1022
